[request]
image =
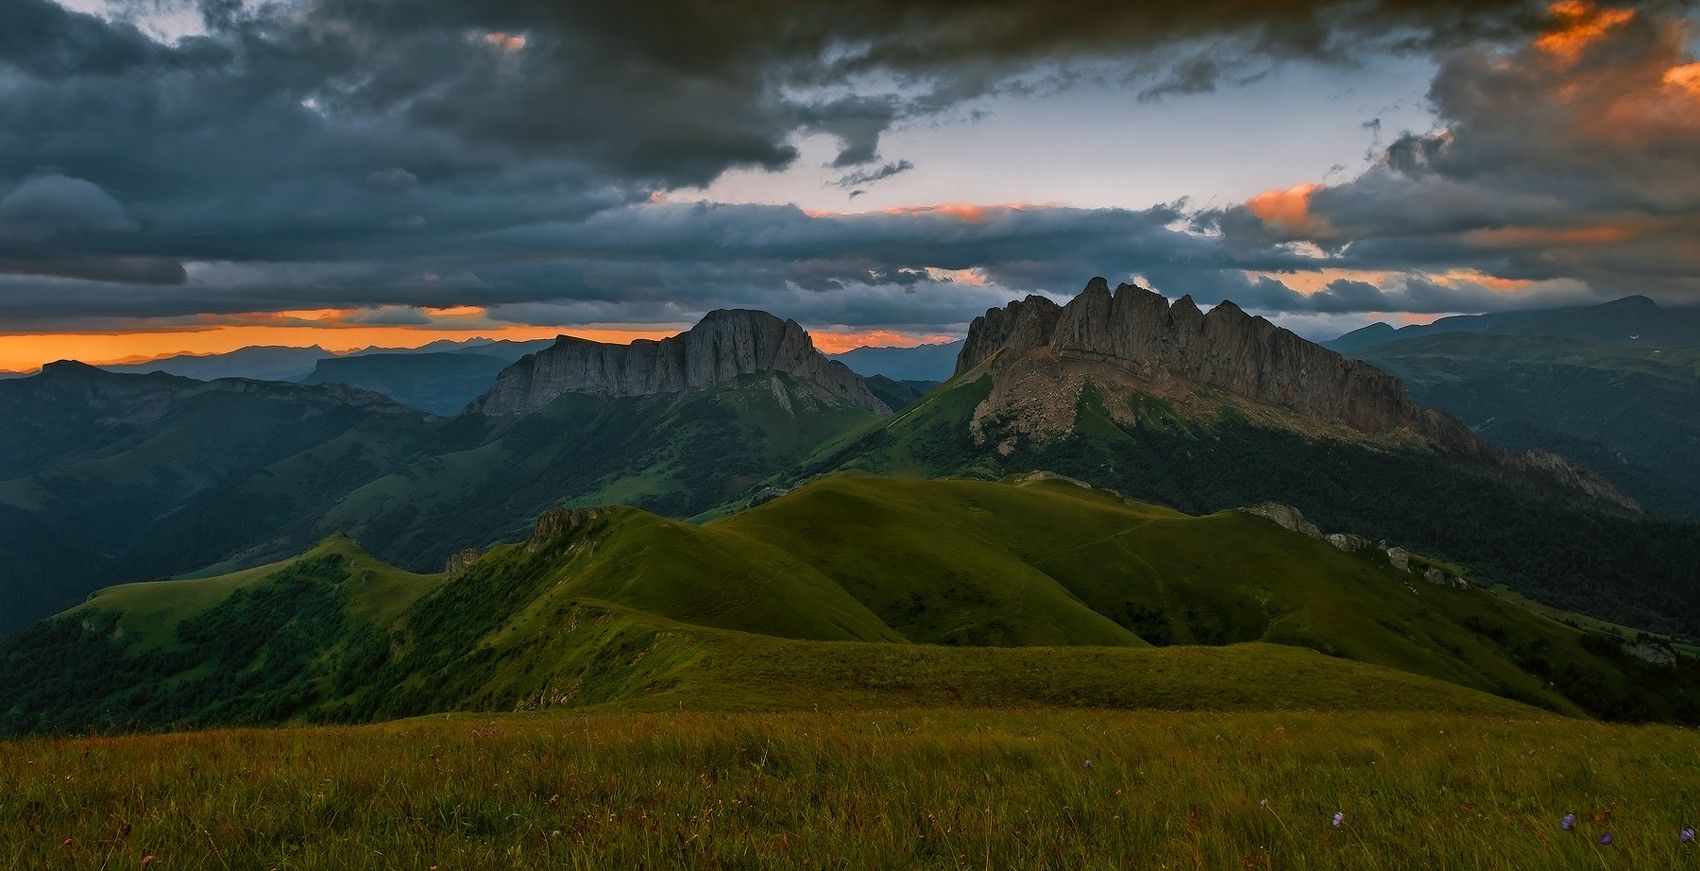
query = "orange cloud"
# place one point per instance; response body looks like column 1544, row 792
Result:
column 1577, row 25
column 1317, row 280
column 508, row 42
column 1684, row 78
column 971, row 213
column 1288, row 209
column 1454, row 277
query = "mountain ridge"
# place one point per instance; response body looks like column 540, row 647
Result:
column 725, row 345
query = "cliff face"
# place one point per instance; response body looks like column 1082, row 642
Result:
column 1172, row 346
column 724, row 346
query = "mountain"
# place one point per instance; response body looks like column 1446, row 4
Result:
column 725, row 346
column 898, row 395
column 1208, row 411
column 679, row 454
column 859, row 590
column 107, row 477
column 441, row 383
column 507, row 349
column 1632, row 413
column 155, row 475
column 276, row 363
column 680, row 426
column 1134, row 340
column 921, row 363
column 259, row 363
column 1633, row 321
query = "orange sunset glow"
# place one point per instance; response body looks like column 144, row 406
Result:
column 28, row 352
column 1579, row 24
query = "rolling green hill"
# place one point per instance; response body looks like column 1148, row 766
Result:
column 1632, row 413
column 853, row 590
column 1504, row 528
column 107, row 478
column 674, row 454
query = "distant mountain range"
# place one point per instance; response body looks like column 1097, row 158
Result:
column 438, row 382
column 273, row 363
column 1633, row 321
column 1616, row 386
column 920, row 363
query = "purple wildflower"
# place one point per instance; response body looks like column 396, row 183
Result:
column 1568, row 823
column 1339, row 819
column 1606, row 838
column 1688, row 835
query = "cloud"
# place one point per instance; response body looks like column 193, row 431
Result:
column 337, row 153
column 869, row 176
column 54, row 206
column 1573, row 157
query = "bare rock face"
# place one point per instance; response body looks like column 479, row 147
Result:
column 558, row 522
column 460, row 561
column 724, row 346
column 1574, row 475
column 1288, row 517
column 1041, row 355
column 1138, row 331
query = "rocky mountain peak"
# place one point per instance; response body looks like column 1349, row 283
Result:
column 1175, row 346
column 725, row 345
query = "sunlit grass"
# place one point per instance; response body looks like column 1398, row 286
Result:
column 934, row 788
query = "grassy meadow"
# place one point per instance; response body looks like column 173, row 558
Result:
column 942, row 788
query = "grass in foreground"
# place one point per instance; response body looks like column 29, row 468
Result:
column 914, row 788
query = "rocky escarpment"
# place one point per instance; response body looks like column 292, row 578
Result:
column 1173, row 347
column 1041, row 356
column 725, row 346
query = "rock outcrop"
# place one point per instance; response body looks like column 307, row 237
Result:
column 1041, row 356
column 1574, row 475
column 460, row 561
column 1288, row 517
column 1174, row 346
column 559, row 522
column 726, row 345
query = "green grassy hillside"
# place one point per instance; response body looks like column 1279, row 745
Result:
column 677, row 455
column 917, row 788
column 1501, row 527
column 108, row 478
column 853, row 590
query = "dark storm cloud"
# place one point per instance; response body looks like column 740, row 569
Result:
column 1573, row 158
column 329, row 153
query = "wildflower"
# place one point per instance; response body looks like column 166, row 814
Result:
column 1568, row 823
column 1606, row 838
column 1688, row 835
column 1088, row 763
column 147, row 860
column 1264, row 804
column 1339, row 819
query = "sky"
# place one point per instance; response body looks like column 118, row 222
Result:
column 200, row 175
